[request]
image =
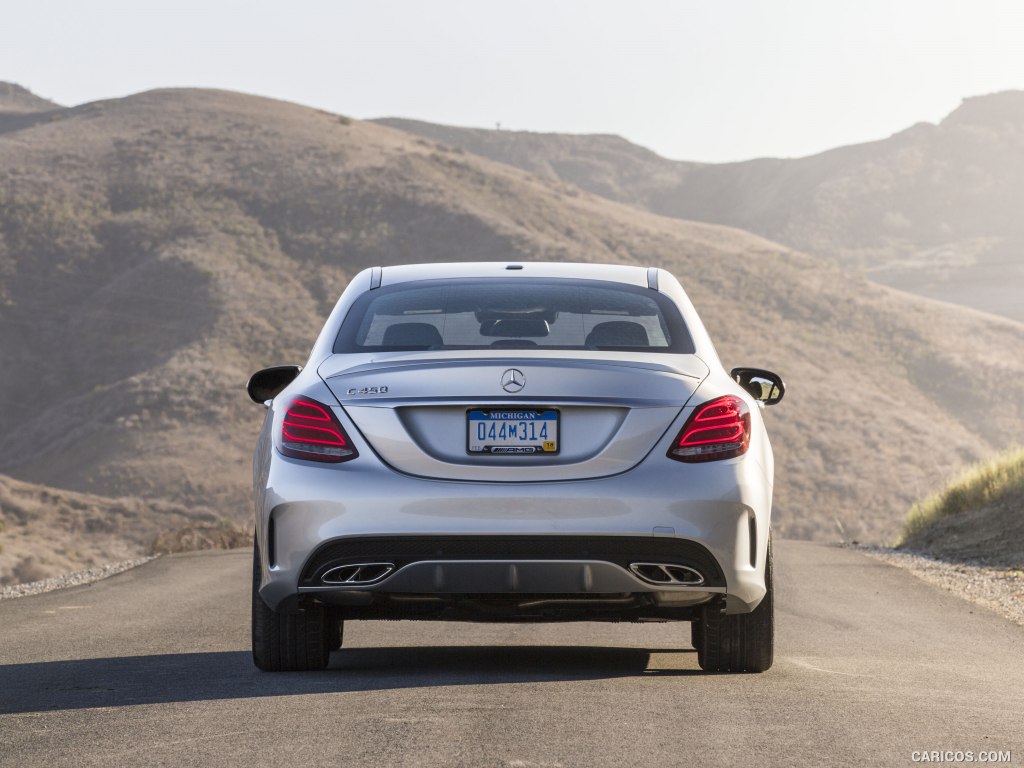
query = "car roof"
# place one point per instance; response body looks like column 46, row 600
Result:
column 616, row 273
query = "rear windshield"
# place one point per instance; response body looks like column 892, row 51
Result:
column 519, row 313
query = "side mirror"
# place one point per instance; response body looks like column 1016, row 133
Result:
column 764, row 385
column 266, row 384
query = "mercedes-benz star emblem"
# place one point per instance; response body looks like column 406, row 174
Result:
column 513, row 380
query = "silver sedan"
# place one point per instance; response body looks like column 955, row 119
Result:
column 513, row 442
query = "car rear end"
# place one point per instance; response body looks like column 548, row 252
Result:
column 542, row 443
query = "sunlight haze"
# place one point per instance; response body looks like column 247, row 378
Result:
column 699, row 81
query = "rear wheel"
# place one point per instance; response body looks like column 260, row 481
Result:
column 336, row 634
column 288, row 641
column 695, row 631
column 742, row 642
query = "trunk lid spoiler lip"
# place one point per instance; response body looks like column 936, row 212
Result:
column 338, row 382
column 697, row 368
column 378, row 401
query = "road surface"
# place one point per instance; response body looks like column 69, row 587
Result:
column 152, row 667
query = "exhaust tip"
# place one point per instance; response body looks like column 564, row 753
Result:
column 668, row 574
column 357, row 573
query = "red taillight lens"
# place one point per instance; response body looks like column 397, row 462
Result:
column 311, row 431
column 719, row 429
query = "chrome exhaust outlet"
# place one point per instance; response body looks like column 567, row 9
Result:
column 357, row 573
column 668, row 574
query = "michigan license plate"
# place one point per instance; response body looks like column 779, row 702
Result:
column 512, row 431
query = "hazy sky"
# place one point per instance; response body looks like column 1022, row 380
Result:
column 714, row 80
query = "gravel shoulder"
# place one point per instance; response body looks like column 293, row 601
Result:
column 74, row 579
column 998, row 589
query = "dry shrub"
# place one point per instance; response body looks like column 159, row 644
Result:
column 29, row 570
column 222, row 535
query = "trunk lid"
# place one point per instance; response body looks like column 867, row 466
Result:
column 612, row 408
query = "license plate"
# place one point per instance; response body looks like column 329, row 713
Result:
column 512, row 431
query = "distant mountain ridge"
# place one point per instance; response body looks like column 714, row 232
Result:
column 934, row 209
column 15, row 99
column 157, row 249
column 603, row 164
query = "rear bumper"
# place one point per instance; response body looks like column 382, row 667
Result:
column 492, row 578
column 722, row 509
column 502, row 565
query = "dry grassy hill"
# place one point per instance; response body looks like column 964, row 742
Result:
column 603, row 164
column 154, row 250
column 978, row 516
column 45, row 530
column 16, row 99
column 20, row 108
column 934, row 209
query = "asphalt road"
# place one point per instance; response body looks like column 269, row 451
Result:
column 152, row 668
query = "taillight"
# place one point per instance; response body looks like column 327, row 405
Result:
column 719, row 429
column 311, row 431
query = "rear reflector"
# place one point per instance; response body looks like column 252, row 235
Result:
column 311, row 431
column 719, row 429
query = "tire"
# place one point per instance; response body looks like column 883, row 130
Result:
column 336, row 635
column 695, row 632
column 742, row 642
column 287, row 642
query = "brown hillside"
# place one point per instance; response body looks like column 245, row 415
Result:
column 20, row 108
column 16, row 99
column 155, row 250
column 933, row 209
column 45, row 531
column 605, row 165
